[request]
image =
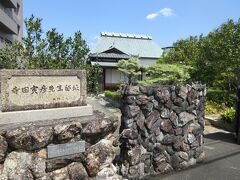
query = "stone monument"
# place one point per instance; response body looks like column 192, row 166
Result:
column 36, row 95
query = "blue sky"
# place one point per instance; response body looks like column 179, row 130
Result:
column 165, row 20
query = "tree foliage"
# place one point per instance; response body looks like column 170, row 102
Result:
column 166, row 74
column 215, row 58
column 50, row 50
column 11, row 56
column 131, row 68
column 94, row 73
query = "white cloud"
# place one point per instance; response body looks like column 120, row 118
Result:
column 166, row 12
column 163, row 12
column 152, row 16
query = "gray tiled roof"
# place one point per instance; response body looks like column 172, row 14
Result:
column 110, row 55
column 133, row 45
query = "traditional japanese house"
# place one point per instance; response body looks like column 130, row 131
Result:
column 113, row 47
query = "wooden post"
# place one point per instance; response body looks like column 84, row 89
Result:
column 238, row 115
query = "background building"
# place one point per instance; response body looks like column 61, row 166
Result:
column 11, row 21
column 113, row 47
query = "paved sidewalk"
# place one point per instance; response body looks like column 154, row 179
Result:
column 100, row 104
column 222, row 161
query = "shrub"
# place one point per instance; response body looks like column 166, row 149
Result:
column 131, row 68
column 94, row 76
column 229, row 115
column 221, row 97
column 166, row 74
column 113, row 95
column 213, row 107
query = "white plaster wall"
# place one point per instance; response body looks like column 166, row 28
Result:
column 148, row 62
column 113, row 76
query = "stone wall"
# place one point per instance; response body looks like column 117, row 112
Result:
column 161, row 129
column 23, row 153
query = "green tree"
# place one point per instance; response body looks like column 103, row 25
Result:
column 33, row 42
column 12, row 56
column 215, row 58
column 79, row 51
column 52, row 50
column 131, row 68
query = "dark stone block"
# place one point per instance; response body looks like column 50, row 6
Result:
column 170, row 150
column 177, row 142
column 169, row 105
column 155, row 126
column 31, row 138
column 139, row 119
column 177, row 109
column 152, row 119
column 132, row 90
column 3, row 148
column 144, row 133
column 142, row 99
column 191, row 108
column 162, row 94
column 192, row 96
column 129, row 99
column 175, row 161
column 149, row 147
column 99, row 128
column 60, row 162
column 185, row 147
column 168, row 139
column 146, row 90
column 143, row 89
column 129, row 134
column 185, row 118
column 131, row 111
column 184, row 105
column 166, row 126
column 178, row 131
column 77, row 171
column 134, row 156
column 147, row 109
column 158, row 148
column 165, row 113
column 174, row 119
column 67, row 131
column 190, row 138
column 194, row 144
column 182, row 91
column 177, row 101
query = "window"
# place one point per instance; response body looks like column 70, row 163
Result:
column 18, row 29
column 1, row 39
column 17, row 9
column 7, row 41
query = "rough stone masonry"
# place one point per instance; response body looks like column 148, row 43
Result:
column 24, row 155
column 161, row 129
